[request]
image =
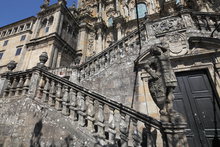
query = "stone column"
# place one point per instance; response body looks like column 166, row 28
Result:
column 57, row 21
column 36, row 28
column 58, row 59
column 59, row 28
column 82, row 40
column 55, row 56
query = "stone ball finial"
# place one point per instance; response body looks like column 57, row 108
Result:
column 11, row 65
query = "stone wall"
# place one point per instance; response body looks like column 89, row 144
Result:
column 26, row 123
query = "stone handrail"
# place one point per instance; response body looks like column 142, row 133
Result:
column 109, row 55
column 206, row 21
column 78, row 103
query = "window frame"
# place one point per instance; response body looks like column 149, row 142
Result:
column 18, row 51
column 23, row 37
column 5, row 43
column 1, row 54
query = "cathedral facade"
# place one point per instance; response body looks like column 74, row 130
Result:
column 92, row 73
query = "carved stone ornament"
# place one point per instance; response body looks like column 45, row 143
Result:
column 176, row 44
column 168, row 25
column 11, row 65
column 43, row 58
column 162, row 82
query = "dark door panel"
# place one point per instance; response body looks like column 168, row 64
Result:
column 194, row 99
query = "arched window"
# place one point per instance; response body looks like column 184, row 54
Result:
column 110, row 22
column 50, row 20
column 44, row 23
column 142, row 9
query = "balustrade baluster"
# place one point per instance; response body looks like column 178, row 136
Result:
column 45, row 96
column 40, row 87
column 66, row 102
column 91, row 114
column 135, row 135
column 52, row 92
column 124, row 131
column 97, row 65
column 13, row 86
column 26, row 84
column 111, row 130
column 73, row 104
column 100, row 123
column 58, row 103
column 19, row 86
column 82, row 108
column 9, row 84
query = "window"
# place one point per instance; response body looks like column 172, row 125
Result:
column 23, row 37
column 110, row 22
column 15, row 30
column 3, row 34
column 9, row 31
column 18, row 51
column 1, row 54
column 142, row 9
column 5, row 43
column 21, row 28
column 47, row 29
column 28, row 26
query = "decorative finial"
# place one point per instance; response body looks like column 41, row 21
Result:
column 43, row 59
column 62, row 2
column 11, row 65
column 46, row 2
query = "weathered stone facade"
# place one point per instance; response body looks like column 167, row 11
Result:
column 90, row 87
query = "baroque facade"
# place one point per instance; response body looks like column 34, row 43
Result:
column 101, row 81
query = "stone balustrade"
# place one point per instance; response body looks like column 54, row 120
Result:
column 110, row 55
column 206, row 21
column 92, row 111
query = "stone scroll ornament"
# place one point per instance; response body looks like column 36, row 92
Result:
column 162, row 83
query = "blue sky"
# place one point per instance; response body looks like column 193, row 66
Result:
column 15, row 10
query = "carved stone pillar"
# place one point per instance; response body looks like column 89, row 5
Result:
column 34, row 81
column 123, row 131
column 111, row 130
column 82, row 108
column 26, row 84
column 82, row 40
column 3, row 84
column 52, row 93
column 73, row 104
column 66, row 102
column 135, row 135
column 91, row 115
column 19, row 86
column 45, row 96
column 58, row 104
column 100, row 124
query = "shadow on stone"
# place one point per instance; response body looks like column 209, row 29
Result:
column 36, row 134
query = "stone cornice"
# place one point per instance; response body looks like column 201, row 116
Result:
column 51, row 37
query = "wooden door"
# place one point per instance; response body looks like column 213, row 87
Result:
column 195, row 99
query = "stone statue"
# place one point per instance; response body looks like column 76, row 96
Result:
column 162, row 83
column 46, row 2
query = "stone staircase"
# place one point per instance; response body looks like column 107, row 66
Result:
column 37, row 97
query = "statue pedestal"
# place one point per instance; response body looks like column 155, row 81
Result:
column 175, row 134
